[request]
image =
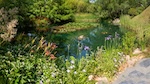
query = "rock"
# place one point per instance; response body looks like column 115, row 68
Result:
column 102, row 80
column 90, row 77
column 142, row 82
column 127, row 57
column 127, row 82
column 145, row 63
column 135, row 73
column 148, row 75
column 145, row 50
column 137, row 51
column 81, row 37
column 116, row 21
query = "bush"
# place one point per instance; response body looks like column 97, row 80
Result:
column 8, row 22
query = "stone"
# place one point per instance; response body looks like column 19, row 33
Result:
column 127, row 82
column 135, row 73
column 137, row 51
column 145, row 63
column 148, row 75
column 142, row 82
column 102, row 80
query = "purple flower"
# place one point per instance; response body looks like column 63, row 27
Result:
column 108, row 37
column 86, row 48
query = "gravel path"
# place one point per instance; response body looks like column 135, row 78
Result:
column 139, row 74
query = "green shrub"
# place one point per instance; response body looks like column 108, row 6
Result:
column 128, row 42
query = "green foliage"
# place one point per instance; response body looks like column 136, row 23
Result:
column 125, row 21
column 112, row 42
column 79, row 6
column 29, row 64
column 139, row 25
column 133, row 11
column 115, row 8
column 128, row 42
column 53, row 10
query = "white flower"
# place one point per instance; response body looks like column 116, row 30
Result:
column 90, row 77
column 120, row 53
column 66, row 59
column 63, row 68
column 75, row 72
column 116, row 65
column 115, row 60
column 51, row 67
column 68, row 70
column 84, row 70
column 72, row 62
column 41, row 82
column 53, row 74
column 71, row 67
column 60, row 81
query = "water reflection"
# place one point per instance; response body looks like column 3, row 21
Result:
column 81, row 43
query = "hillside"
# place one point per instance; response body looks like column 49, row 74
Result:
column 144, row 17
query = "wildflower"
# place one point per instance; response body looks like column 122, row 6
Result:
column 52, row 56
column 51, row 67
column 68, row 70
column 116, row 65
column 41, row 82
column 86, row 48
column 71, row 67
column 45, row 44
column 63, row 69
column 53, row 74
column 60, row 81
column 53, row 46
column 72, row 62
column 47, row 53
column 32, row 51
column 115, row 60
column 108, row 38
column 120, row 53
column 83, row 70
column 75, row 72
column 66, row 59
column 90, row 77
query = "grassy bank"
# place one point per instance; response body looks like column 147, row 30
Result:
column 82, row 21
column 140, row 25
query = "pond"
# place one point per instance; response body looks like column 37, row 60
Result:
column 81, row 43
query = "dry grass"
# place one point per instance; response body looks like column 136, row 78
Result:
column 144, row 17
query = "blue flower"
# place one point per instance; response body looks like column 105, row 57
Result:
column 86, row 48
column 108, row 37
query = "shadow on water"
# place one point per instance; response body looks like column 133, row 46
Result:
column 71, row 45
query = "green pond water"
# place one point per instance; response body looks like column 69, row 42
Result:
column 69, row 45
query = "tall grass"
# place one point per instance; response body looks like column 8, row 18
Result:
column 140, row 25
